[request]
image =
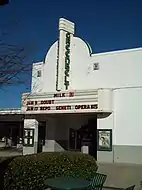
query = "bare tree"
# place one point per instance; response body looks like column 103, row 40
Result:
column 14, row 68
column 15, row 65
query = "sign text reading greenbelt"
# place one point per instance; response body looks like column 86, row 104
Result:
column 67, row 60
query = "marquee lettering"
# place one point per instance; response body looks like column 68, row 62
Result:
column 40, row 102
column 63, row 107
column 57, row 95
column 30, row 109
column 71, row 94
column 47, row 102
column 30, row 102
column 45, row 108
column 95, row 106
column 38, row 108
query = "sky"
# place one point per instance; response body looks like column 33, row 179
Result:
column 106, row 25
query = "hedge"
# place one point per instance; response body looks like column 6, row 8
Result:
column 4, row 162
column 30, row 171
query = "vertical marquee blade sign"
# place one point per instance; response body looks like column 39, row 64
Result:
column 57, row 65
column 66, row 31
column 67, row 60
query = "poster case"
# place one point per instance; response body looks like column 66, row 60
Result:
column 28, row 137
column 104, row 139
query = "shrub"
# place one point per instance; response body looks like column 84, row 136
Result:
column 30, row 171
column 4, row 162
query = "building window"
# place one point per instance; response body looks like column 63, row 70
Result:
column 96, row 66
column 39, row 73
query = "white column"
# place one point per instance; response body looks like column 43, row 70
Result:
column 105, row 99
column 31, row 124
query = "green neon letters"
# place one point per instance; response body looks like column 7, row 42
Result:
column 67, row 60
column 57, row 66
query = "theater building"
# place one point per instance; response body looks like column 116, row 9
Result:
column 83, row 101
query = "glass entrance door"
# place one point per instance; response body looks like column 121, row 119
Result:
column 74, row 139
column 41, row 135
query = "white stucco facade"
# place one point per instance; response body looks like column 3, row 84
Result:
column 72, row 84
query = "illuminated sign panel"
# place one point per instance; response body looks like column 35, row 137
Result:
column 61, row 102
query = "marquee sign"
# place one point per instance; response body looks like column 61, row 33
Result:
column 61, row 103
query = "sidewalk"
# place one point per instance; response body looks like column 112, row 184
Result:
column 121, row 175
column 4, row 152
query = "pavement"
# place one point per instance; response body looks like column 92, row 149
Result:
column 121, row 175
column 5, row 152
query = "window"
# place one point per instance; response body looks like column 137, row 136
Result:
column 39, row 73
column 96, row 66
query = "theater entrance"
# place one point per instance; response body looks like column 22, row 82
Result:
column 86, row 135
column 41, row 136
column 10, row 133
